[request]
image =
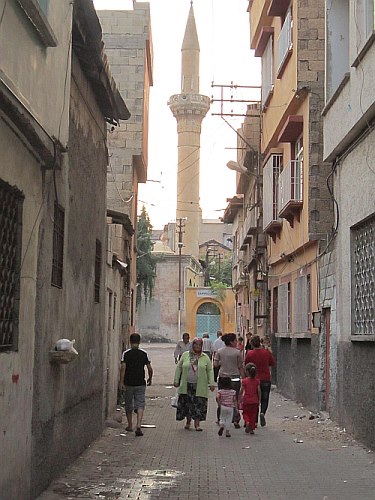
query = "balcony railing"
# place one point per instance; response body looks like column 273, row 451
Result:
column 284, row 42
column 271, row 172
column 291, row 190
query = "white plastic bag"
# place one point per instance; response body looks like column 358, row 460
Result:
column 174, row 401
column 65, row 345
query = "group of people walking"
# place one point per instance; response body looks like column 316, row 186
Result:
column 242, row 376
column 243, row 381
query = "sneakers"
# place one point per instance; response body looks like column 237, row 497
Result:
column 262, row 419
column 138, row 432
column 220, row 431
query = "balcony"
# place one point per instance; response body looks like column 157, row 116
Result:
column 249, row 227
column 291, row 191
column 271, row 172
column 284, row 44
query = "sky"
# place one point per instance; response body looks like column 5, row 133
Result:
column 225, row 57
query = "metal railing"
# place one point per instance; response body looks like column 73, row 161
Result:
column 271, row 172
column 284, row 41
column 291, row 184
column 267, row 71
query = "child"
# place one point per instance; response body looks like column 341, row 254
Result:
column 250, row 397
column 227, row 401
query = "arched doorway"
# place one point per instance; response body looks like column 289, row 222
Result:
column 208, row 320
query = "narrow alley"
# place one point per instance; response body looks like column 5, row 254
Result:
column 293, row 457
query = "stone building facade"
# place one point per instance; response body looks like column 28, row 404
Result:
column 56, row 94
column 297, row 205
column 349, row 139
column 128, row 43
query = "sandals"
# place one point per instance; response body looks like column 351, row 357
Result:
column 187, row 427
column 198, row 429
column 128, row 429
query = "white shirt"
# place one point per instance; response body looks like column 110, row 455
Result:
column 218, row 344
column 207, row 345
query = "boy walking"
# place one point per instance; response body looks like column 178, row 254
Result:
column 132, row 381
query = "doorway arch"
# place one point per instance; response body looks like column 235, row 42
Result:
column 208, row 319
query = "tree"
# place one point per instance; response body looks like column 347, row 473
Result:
column 146, row 263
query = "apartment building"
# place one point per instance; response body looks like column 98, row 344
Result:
column 348, row 280
column 289, row 36
column 244, row 211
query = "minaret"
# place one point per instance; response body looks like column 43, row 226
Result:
column 189, row 108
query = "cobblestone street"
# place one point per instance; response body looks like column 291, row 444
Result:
column 293, row 457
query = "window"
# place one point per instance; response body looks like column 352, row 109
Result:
column 337, row 44
column 283, row 308
column 58, row 246
column 267, row 72
column 274, row 309
column 114, row 311
column 98, row 269
column 110, row 298
column 302, row 307
column 43, row 4
column 363, row 277
column 11, row 201
column 36, row 11
column 364, row 21
column 285, row 43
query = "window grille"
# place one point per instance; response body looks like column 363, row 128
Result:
column 58, row 246
column 98, row 267
column 11, row 201
column 363, row 278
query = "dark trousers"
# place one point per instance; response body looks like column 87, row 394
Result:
column 216, row 372
column 265, row 388
column 236, row 414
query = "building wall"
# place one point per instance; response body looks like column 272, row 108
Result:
column 16, row 367
column 349, row 144
column 194, row 299
column 356, row 393
column 35, row 74
column 70, row 413
column 128, row 44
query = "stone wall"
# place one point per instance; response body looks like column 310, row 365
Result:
column 68, row 399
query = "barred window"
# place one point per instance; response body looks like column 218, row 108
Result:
column 363, row 277
column 284, row 308
column 58, row 246
column 11, row 202
column 98, row 267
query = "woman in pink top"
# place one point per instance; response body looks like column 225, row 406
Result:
column 250, row 397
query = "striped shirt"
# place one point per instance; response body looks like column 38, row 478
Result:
column 226, row 397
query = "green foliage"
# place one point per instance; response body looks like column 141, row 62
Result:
column 146, row 262
column 219, row 289
column 221, row 270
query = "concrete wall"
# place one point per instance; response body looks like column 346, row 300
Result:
column 68, row 402
column 297, row 370
column 356, row 369
column 37, row 73
column 16, row 367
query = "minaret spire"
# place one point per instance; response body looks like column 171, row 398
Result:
column 189, row 108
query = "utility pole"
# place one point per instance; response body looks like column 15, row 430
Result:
column 180, row 224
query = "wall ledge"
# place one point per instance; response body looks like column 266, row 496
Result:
column 362, row 338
